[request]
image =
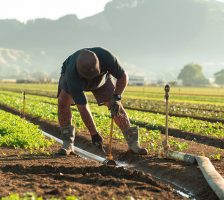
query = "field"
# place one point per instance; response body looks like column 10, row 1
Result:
column 196, row 125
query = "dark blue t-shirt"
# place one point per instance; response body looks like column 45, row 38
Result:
column 76, row 85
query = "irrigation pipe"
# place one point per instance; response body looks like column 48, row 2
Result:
column 214, row 179
column 86, row 154
column 175, row 155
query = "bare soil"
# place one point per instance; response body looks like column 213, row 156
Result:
column 61, row 176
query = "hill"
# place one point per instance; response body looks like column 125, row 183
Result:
column 154, row 38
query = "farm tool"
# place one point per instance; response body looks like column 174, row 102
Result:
column 109, row 160
column 166, row 145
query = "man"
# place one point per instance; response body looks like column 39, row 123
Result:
column 91, row 69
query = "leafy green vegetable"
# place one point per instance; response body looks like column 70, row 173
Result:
column 19, row 133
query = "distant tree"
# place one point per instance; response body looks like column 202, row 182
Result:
column 192, row 75
column 219, row 77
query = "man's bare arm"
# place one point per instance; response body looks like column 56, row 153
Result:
column 121, row 84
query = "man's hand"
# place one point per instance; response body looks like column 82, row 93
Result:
column 97, row 140
column 115, row 106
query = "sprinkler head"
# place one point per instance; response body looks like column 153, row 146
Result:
column 167, row 88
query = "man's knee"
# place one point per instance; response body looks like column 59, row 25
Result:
column 64, row 99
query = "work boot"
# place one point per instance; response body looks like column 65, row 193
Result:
column 68, row 137
column 131, row 137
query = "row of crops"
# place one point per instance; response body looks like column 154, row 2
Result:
column 144, row 91
column 46, row 108
column 207, row 112
column 210, row 108
column 19, row 133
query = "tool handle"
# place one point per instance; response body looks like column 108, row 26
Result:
column 110, row 157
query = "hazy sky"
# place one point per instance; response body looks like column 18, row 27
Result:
column 24, row 10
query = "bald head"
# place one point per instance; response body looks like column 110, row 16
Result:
column 87, row 64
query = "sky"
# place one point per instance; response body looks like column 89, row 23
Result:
column 24, row 10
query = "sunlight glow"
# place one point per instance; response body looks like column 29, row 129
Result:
column 24, row 10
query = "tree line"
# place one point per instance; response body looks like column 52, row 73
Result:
column 192, row 75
